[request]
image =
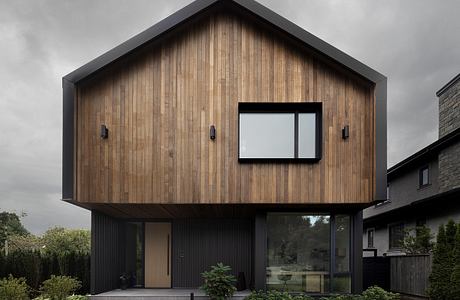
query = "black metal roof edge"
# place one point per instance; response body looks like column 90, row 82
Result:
column 200, row 5
column 448, row 85
column 431, row 149
column 411, row 205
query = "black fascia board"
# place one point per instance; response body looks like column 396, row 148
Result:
column 198, row 7
column 448, row 85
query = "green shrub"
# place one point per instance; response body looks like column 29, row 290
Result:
column 218, row 283
column 59, row 287
column 455, row 277
column 77, row 297
column 377, row 293
column 14, row 288
column 275, row 295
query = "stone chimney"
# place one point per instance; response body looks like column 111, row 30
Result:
column 449, row 106
column 449, row 120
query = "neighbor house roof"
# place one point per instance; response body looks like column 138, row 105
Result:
column 421, row 155
column 255, row 11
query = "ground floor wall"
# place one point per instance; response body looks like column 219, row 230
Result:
column 306, row 252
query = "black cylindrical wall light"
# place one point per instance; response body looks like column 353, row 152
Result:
column 104, row 132
column 345, row 132
column 212, row 132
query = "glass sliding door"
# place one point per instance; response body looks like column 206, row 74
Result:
column 298, row 252
column 309, row 253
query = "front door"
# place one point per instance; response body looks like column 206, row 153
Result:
column 157, row 255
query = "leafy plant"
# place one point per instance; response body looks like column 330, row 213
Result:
column 377, row 293
column 418, row 240
column 441, row 269
column 14, row 288
column 218, row 283
column 59, row 287
column 455, row 277
column 77, row 297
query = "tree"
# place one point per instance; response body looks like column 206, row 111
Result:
column 455, row 277
column 60, row 240
column 440, row 274
column 10, row 224
column 418, row 240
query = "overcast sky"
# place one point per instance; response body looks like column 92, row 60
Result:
column 416, row 44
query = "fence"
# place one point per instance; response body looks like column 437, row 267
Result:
column 409, row 274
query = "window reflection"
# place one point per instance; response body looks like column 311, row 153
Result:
column 298, row 252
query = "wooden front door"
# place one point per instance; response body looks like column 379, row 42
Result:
column 157, row 255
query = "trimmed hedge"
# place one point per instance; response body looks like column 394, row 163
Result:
column 36, row 267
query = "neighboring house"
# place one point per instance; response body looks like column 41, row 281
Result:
column 225, row 133
column 423, row 189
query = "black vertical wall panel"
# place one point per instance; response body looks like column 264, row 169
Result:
column 201, row 243
column 260, row 250
column 108, row 252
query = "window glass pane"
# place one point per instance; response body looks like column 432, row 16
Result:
column 425, row 176
column 342, row 283
column 298, row 252
column 396, row 235
column 370, row 238
column 342, row 243
column 266, row 135
column 307, row 135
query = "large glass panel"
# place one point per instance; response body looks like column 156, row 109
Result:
column 307, row 135
column 266, row 135
column 298, row 252
column 342, row 278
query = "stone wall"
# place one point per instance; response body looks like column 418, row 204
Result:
column 449, row 109
column 449, row 168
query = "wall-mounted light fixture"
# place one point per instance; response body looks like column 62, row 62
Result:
column 212, row 132
column 345, row 132
column 104, row 132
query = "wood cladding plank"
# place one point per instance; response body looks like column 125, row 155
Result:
column 160, row 102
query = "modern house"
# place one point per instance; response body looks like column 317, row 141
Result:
column 423, row 189
column 225, row 133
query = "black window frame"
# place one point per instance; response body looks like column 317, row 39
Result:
column 285, row 107
column 420, row 176
column 391, row 245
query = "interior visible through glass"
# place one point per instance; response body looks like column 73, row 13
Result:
column 342, row 274
column 266, row 135
column 298, row 252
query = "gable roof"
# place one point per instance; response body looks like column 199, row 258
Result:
column 258, row 11
column 200, row 6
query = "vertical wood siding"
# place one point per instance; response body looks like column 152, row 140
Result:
column 199, row 244
column 159, row 103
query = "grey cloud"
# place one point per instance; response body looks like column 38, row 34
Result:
column 415, row 43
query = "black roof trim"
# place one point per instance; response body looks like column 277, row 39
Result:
column 409, row 208
column 199, row 6
column 429, row 150
column 448, row 85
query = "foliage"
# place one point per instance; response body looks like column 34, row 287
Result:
column 77, row 297
column 59, row 287
column 37, row 267
column 372, row 293
column 60, row 240
column 275, row 295
column 418, row 240
column 455, row 277
column 18, row 242
column 10, row 224
column 377, row 293
column 14, row 288
column 218, row 283
column 440, row 269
